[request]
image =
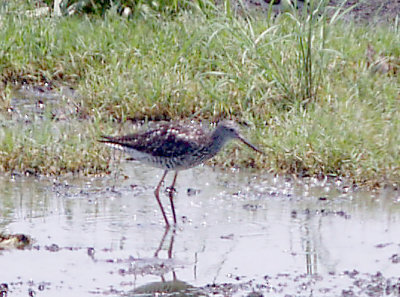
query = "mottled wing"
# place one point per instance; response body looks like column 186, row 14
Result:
column 165, row 140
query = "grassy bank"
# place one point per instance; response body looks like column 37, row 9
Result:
column 309, row 94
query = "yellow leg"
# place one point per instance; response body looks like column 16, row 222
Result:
column 171, row 196
column 157, row 194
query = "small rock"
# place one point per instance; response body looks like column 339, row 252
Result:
column 53, row 248
column 347, row 293
column 293, row 214
column 90, row 252
column 229, row 236
column 192, row 192
column 31, row 293
column 395, row 259
column 251, row 207
column 3, row 290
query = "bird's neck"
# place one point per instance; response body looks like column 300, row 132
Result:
column 218, row 140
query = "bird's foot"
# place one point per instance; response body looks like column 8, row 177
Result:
column 170, row 190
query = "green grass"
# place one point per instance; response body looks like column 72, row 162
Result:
column 302, row 85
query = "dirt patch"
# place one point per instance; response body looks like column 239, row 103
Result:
column 372, row 10
column 363, row 10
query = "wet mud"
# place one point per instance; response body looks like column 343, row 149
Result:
column 238, row 234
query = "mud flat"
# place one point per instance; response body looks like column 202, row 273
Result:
column 239, row 234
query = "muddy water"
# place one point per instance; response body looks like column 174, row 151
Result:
column 238, row 234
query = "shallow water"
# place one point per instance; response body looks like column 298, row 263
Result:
column 237, row 233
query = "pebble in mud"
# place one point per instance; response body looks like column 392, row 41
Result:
column 52, row 248
column 293, row 214
column 14, row 241
column 352, row 273
column 382, row 245
column 193, row 192
column 31, row 293
column 90, row 252
column 348, row 293
column 228, row 236
column 3, row 290
column 395, row 259
column 251, row 207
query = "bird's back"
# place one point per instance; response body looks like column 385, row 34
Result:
column 167, row 145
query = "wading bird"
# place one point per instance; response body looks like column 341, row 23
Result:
column 175, row 146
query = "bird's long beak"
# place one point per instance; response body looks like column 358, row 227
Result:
column 250, row 145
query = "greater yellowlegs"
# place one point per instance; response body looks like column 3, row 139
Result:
column 176, row 146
